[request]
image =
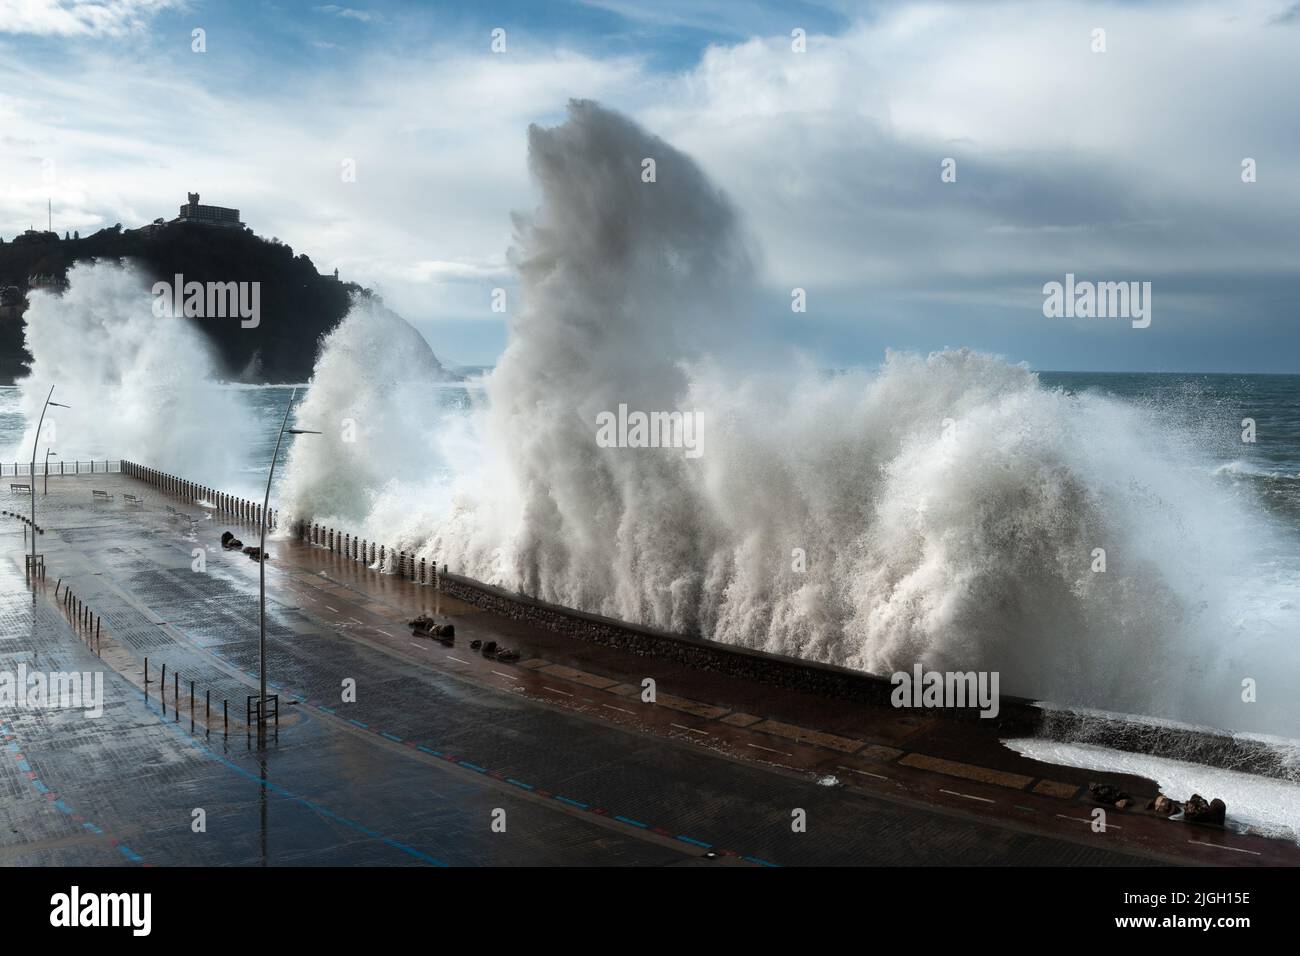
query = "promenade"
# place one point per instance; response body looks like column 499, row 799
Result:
column 443, row 756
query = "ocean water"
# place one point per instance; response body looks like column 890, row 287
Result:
column 1209, row 407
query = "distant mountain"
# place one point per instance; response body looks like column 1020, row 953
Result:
column 298, row 304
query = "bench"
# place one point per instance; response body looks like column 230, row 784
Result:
column 133, row 499
column 17, row 486
column 101, row 495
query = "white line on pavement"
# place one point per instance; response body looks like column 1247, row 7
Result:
column 1234, row 849
column 769, row 750
column 865, row 773
column 691, row 729
column 954, row 793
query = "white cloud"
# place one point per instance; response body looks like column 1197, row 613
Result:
column 348, row 13
column 438, row 145
column 79, row 17
column 1125, row 162
column 1128, row 159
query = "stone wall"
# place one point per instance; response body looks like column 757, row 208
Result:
column 825, row 680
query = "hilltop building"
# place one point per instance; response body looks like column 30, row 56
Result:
column 218, row 216
column 37, row 235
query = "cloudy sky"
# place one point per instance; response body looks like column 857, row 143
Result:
column 1122, row 165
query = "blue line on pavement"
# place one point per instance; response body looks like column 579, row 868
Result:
column 686, row 839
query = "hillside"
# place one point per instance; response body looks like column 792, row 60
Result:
column 298, row 305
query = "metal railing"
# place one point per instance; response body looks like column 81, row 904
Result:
column 241, row 509
column 352, row 547
column 98, row 466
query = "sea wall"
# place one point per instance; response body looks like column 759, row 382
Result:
column 1014, row 716
column 1017, row 716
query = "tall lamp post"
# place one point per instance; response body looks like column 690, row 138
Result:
column 35, row 441
column 48, row 455
column 261, row 588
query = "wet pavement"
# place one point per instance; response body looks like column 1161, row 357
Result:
column 447, row 757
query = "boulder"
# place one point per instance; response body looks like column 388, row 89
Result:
column 230, row 542
column 489, row 648
column 1164, row 806
column 1108, row 795
column 256, row 554
column 506, row 655
column 1198, row 810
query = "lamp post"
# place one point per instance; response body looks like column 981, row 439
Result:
column 261, row 571
column 48, row 455
column 35, row 441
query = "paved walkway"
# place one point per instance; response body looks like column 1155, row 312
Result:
column 440, row 743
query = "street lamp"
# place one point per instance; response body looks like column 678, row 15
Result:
column 261, row 585
column 48, row 455
column 35, row 441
